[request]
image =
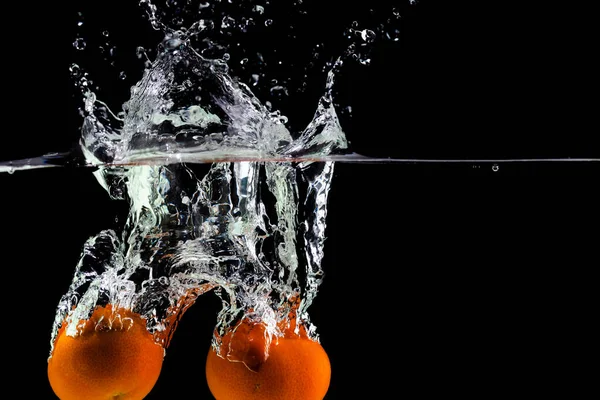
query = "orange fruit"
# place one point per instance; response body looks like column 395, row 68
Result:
column 295, row 367
column 112, row 357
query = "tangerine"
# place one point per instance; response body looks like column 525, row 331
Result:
column 112, row 357
column 249, row 366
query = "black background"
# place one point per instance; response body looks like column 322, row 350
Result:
column 440, row 279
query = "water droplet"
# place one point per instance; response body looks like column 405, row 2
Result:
column 139, row 52
column 122, row 75
column 268, row 22
column 79, row 23
column 75, row 70
column 243, row 61
column 227, row 22
column 495, row 167
column 79, row 44
column 279, row 91
column 255, row 78
column 105, row 33
column 367, row 35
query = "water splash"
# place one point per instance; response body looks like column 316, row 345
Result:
column 252, row 232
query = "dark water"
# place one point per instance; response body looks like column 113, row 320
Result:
column 468, row 281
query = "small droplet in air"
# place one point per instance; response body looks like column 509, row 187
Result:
column 227, row 22
column 279, row 91
column 122, row 75
column 79, row 23
column 268, row 22
column 75, row 70
column 495, row 167
column 367, row 35
column 79, row 44
column 105, row 33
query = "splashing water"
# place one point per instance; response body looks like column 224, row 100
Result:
column 224, row 196
column 252, row 231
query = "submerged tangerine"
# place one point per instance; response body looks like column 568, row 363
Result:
column 296, row 368
column 113, row 357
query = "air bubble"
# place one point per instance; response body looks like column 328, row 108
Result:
column 163, row 280
column 495, row 167
column 106, row 33
column 122, row 75
column 258, row 9
column 268, row 22
column 79, row 44
column 139, row 52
